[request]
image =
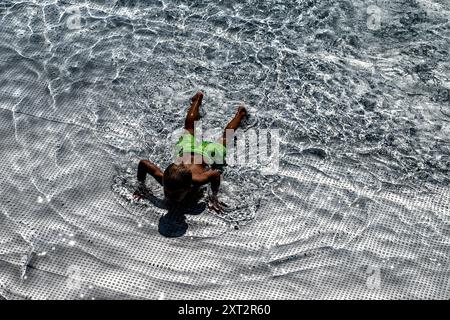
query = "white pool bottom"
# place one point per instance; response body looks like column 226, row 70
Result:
column 80, row 240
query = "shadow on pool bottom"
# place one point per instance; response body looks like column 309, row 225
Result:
column 173, row 224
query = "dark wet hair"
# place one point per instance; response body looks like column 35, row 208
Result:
column 177, row 176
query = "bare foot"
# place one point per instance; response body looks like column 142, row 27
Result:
column 197, row 98
column 242, row 111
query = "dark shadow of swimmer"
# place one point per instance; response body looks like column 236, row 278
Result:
column 173, row 224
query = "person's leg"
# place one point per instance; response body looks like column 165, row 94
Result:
column 233, row 124
column 193, row 112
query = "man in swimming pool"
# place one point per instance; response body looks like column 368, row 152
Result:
column 182, row 180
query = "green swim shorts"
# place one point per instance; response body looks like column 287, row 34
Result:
column 212, row 152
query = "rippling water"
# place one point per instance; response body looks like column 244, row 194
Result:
column 360, row 91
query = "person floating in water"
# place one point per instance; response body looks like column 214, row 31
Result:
column 192, row 168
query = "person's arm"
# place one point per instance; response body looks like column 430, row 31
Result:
column 146, row 167
column 212, row 177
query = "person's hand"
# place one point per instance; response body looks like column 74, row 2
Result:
column 215, row 204
column 141, row 192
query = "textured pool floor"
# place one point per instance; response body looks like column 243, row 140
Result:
column 359, row 208
column 287, row 252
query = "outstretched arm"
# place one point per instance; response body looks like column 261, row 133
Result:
column 146, row 167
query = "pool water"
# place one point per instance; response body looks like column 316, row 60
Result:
column 360, row 94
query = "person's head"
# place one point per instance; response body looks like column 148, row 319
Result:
column 177, row 181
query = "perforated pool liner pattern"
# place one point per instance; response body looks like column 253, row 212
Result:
column 358, row 209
